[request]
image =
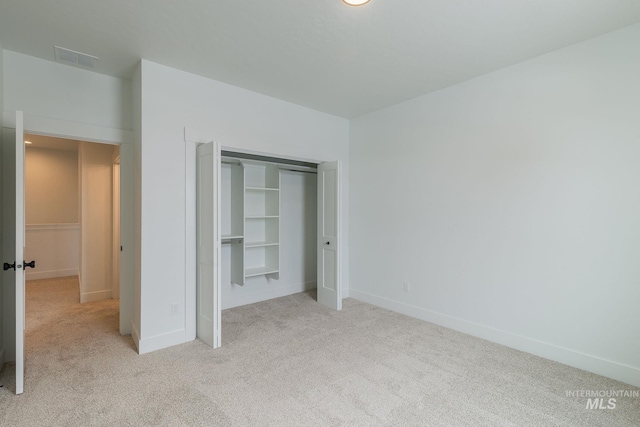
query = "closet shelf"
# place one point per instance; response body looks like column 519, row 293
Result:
column 260, row 244
column 261, row 189
column 262, row 217
column 259, row 271
column 231, row 236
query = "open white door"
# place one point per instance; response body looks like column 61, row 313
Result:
column 13, row 244
column 328, row 235
column 208, row 277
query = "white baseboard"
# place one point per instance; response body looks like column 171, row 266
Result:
column 136, row 337
column 51, row 274
column 95, row 296
column 125, row 327
column 608, row 368
column 230, row 302
column 158, row 342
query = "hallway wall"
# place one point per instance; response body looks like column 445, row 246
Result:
column 51, row 184
column 51, row 211
column 95, row 165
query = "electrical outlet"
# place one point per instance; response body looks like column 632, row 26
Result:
column 406, row 286
column 175, row 309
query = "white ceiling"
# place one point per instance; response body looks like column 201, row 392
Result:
column 321, row 54
column 51, row 143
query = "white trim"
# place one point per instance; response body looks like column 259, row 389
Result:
column 51, row 274
column 237, row 301
column 199, row 137
column 195, row 136
column 190, row 252
column 95, row 296
column 135, row 336
column 45, row 227
column 608, row 368
column 70, row 130
column 339, row 237
column 158, row 342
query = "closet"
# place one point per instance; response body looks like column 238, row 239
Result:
column 257, row 193
column 266, row 227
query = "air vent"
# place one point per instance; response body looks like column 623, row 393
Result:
column 71, row 57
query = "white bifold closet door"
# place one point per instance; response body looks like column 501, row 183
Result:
column 329, row 235
column 208, row 304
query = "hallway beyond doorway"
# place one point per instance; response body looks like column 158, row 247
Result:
column 57, row 301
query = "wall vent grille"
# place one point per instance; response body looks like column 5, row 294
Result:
column 72, row 57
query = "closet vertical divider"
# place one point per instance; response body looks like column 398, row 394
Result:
column 236, row 220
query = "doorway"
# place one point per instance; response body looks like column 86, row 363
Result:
column 70, row 215
column 13, row 221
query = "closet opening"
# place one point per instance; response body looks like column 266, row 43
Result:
column 267, row 227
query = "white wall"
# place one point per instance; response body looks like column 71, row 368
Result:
column 51, row 186
column 510, row 203
column 298, row 250
column 67, row 101
column 51, row 204
column 96, row 221
column 170, row 101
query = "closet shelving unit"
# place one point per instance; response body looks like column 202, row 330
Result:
column 261, row 219
column 252, row 223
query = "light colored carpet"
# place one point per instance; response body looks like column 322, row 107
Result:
column 288, row 361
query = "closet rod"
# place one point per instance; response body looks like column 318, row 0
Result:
column 298, row 170
column 229, row 161
column 281, row 166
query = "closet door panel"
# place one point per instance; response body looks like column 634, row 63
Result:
column 328, row 235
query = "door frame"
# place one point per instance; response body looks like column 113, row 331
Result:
column 192, row 139
column 66, row 130
column 115, row 226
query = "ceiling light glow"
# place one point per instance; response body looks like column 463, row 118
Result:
column 27, row 142
column 356, row 2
